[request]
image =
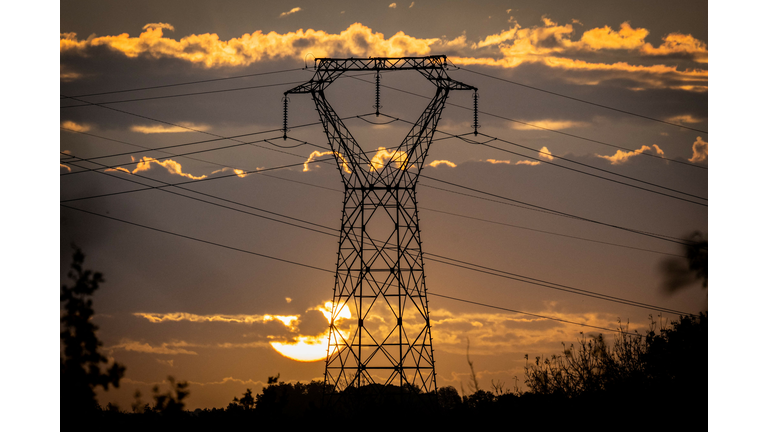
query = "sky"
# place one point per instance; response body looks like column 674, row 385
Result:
column 193, row 289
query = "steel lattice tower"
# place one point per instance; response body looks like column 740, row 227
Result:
column 379, row 270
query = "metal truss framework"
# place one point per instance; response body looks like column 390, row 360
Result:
column 380, row 270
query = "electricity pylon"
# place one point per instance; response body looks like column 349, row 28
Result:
column 380, row 270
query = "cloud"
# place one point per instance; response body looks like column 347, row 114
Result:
column 494, row 161
column 64, row 166
column 551, row 45
column 626, row 38
column 164, row 349
column 383, row 156
column 412, row 3
column 316, row 154
column 289, row 321
column 677, row 44
column 549, row 124
column 183, row 127
column 527, row 162
column 240, row 173
column 159, row 26
column 75, row 126
column 686, row 118
column 492, row 333
column 700, row 149
column 436, row 163
column 393, row 5
column 209, row 51
column 544, row 153
column 621, row 156
column 170, row 165
column 292, row 11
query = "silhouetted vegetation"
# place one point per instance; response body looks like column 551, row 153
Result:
column 657, row 380
column 683, row 272
column 80, row 361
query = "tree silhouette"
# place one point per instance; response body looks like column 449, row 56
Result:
column 80, row 362
column 680, row 273
column 171, row 402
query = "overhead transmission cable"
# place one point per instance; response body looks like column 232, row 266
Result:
column 491, row 138
column 508, row 199
column 584, row 101
column 187, row 83
column 538, row 127
column 328, row 160
column 307, row 265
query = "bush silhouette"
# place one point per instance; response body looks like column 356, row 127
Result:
column 81, row 362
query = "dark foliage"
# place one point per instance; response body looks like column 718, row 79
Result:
column 81, row 362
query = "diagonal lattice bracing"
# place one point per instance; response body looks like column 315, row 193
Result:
column 380, row 270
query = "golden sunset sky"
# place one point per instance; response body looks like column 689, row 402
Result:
column 222, row 280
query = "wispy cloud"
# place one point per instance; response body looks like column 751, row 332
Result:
column 700, row 150
column 549, row 124
column 437, row 163
column 292, row 11
column 550, row 45
column 76, row 127
column 527, row 162
column 165, row 349
column 686, row 118
column 393, row 5
column 289, row 321
column 170, row 165
column 155, row 129
column 622, row 156
column 544, row 153
column 316, row 154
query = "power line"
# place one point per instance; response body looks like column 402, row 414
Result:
column 302, row 264
column 187, row 83
column 338, row 191
column 182, row 95
column 546, row 284
column 657, row 236
column 486, row 270
column 539, row 127
column 505, row 198
column 461, row 137
column 585, row 101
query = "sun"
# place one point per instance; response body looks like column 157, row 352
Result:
column 312, row 348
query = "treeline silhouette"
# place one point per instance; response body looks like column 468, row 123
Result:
column 656, row 380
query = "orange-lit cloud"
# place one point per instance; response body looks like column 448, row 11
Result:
column 495, row 161
column 292, row 11
column 240, row 173
column 378, row 161
column 687, row 118
column 208, row 50
column 64, row 166
column 680, row 45
column 700, row 150
column 544, row 153
column 316, row 154
column 621, row 156
column 491, row 333
column 170, row 165
column 165, row 348
column 548, row 124
column 289, row 321
column 527, row 162
column 549, row 45
column 154, row 129
column 437, row 163
column 70, row 125
column 626, row 38
column 313, row 348
column 393, row 5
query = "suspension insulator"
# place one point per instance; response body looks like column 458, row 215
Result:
column 285, row 117
column 378, row 93
column 475, row 125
